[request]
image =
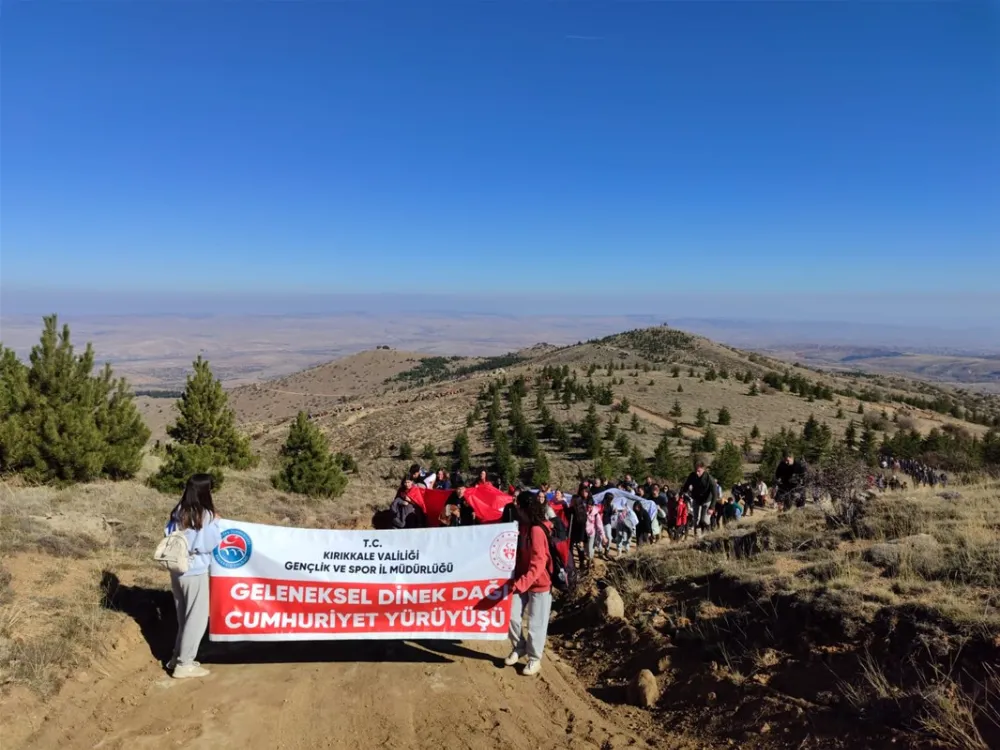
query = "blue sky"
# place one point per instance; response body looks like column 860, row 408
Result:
column 291, row 148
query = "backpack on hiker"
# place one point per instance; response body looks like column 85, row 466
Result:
column 173, row 553
column 563, row 569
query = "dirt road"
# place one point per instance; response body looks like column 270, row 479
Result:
column 335, row 695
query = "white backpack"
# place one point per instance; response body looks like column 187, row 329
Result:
column 172, row 553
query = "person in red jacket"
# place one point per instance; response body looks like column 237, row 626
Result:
column 531, row 586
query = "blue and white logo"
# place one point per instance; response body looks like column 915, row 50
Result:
column 234, row 549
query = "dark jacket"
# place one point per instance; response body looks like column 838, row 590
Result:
column 406, row 515
column 789, row 476
column 703, row 489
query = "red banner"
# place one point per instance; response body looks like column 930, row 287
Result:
column 254, row 607
column 486, row 501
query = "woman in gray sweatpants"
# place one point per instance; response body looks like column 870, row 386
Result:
column 195, row 516
column 531, row 587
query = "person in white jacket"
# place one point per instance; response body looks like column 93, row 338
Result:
column 195, row 516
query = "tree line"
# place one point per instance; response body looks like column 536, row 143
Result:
column 62, row 422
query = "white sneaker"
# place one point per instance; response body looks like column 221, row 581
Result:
column 533, row 668
column 513, row 658
column 186, row 671
column 172, row 664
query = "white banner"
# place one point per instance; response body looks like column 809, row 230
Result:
column 276, row 583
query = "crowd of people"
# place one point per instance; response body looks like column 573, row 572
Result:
column 919, row 472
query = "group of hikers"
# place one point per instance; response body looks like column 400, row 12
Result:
column 919, row 472
column 558, row 534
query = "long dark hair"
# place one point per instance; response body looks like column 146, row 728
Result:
column 532, row 511
column 197, row 499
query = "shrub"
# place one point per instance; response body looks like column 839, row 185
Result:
column 406, row 451
column 429, row 453
column 724, row 416
column 308, row 466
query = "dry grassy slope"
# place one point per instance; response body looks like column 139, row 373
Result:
column 380, row 417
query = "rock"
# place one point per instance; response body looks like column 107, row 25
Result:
column 764, row 728
column 919, row 552
column 612, row 606
column 663, row 664
column 643, row 690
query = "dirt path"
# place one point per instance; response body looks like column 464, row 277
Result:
column 330, row 695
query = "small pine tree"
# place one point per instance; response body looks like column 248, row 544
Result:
column 429, row 452
column 406, row 451
column 665, row 465
column 680, row 388
column 635, row 423
column 755, row 432
column 746, row 447
column 461, row 452
column 676, row 412
column 308, row 466
column 840, row 413
column 710, row 441
column 562, row 438
column 701, row 418
column 540, row 471
column 725, row 417
column 851, row 435
column 637, row 465
column 622, row 444
column 624, row 405
column 675, row 372
column 676, row 432
column 727, row 467
column 691, row 372
column 205, row 419
column 861, row 408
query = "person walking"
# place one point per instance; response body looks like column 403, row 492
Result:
column 702, row 489
column 195, row 516
column 531, row 587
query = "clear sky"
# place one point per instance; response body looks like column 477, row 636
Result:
column 288, row 148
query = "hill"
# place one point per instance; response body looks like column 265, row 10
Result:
column 735, row 626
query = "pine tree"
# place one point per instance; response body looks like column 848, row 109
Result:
column 540, row 471
column 710, row 441
column 634, row 426
column 504, row 462
column 61, row 423
column 611, row 432
column 851, row 435
column 567, row 398
column 701, row 418
column 680, row 388
column 461, row 452
column 746, row 447
column 840, row 413
column 637, row 465
column 562, row 438
column 868, row 445
column 676, row 412
column 205, row 419
column 406, row 451
column 724, row 416
column 622, row 444
column 861, row 408
column 665, row 465
column 184, row 460
column 727, row 467
column 675, row 372
column 308, row 466
column 755, row 432
column 429, row 452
